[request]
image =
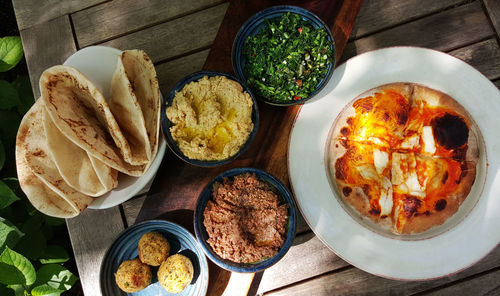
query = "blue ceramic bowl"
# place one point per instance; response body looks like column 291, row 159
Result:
column 202, row 235
column 166, row 123
column 125, row 247
column 256, row 23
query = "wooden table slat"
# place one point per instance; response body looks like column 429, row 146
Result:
column 485, row 284
column 296, row 266
column 117, row 18
column 131, row 209
column 171, row 72
column 177, row 37
column 493, row 9
column 484, row 56
column 45, row 45
column 445, row 31
column 30, row 13
column 378, row 15
column 354, row 281
column 93, row 231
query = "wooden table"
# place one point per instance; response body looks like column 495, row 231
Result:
column 178, row 34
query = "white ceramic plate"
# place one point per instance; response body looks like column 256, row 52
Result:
column 98, row 63
column 476, row 232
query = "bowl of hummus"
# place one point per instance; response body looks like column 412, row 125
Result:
column 209, row 118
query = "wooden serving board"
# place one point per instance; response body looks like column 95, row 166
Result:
column 177, row 184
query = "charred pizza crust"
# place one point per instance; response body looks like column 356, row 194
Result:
column 407, row 141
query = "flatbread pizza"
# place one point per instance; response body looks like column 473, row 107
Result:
column 404, row 156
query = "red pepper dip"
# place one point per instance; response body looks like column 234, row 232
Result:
column 245, row 221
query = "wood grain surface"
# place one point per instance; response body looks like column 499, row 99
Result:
column 445, row 31
column 38, row 55
column 117, row 18
column 30, row 13
column 179, row 34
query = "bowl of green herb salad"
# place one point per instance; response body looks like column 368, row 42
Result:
column 285, row 54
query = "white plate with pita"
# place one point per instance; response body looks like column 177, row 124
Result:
column 476, row 232
column 98, row 64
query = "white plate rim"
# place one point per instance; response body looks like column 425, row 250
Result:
column 439, row 256
column 86, row 60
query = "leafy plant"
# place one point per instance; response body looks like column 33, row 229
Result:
column 29, row 263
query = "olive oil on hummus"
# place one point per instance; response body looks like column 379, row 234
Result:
column 212, row 118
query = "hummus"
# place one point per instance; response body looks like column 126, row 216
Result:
column 212, row 118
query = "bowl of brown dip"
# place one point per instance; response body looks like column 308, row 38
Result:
column 245, row 220
column 209, row 118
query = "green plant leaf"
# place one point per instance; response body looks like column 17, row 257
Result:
column 9, row 234
column 7, row 196
column 54, row 254
column 10, row 275
column 18, row 290
column 53, row 221
column 9, row 124
column 45, row 290
column 5, row 291
column 32, row 244
column 15, row 269
column 33, row 223
column 8, row 95
column 55, row 276
column 11, row 52
column 26, row 98
column 2, row 155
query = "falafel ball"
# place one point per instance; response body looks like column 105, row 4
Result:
column 133, row 275
column 153, row 248
column 176, row 273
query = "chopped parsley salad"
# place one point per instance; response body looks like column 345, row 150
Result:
column 287, row 59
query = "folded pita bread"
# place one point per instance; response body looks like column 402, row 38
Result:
column 37, row 173
column 127, row 111
column 135, row 102
column 74, row 164
column 81, row 113
column 107, row 175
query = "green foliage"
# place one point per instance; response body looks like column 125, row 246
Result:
column 9, row 124
column 7, row 196
column 54, row 254
column 23, row 86
column 30, row 258
column 11, row 52
column 9, row 234
column 8, row 95
column 56, row 277
column 2, row 155
column 20, row 270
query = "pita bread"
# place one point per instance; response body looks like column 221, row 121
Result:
column 127, row 111
column 37, row 173
column 81, row 113
column 73, row 163
column 141, row 74
column 107, row 175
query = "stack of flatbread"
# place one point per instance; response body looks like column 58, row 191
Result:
column 72, row 143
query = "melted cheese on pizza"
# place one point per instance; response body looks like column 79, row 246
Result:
column 380, row 119
column 406, row 157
